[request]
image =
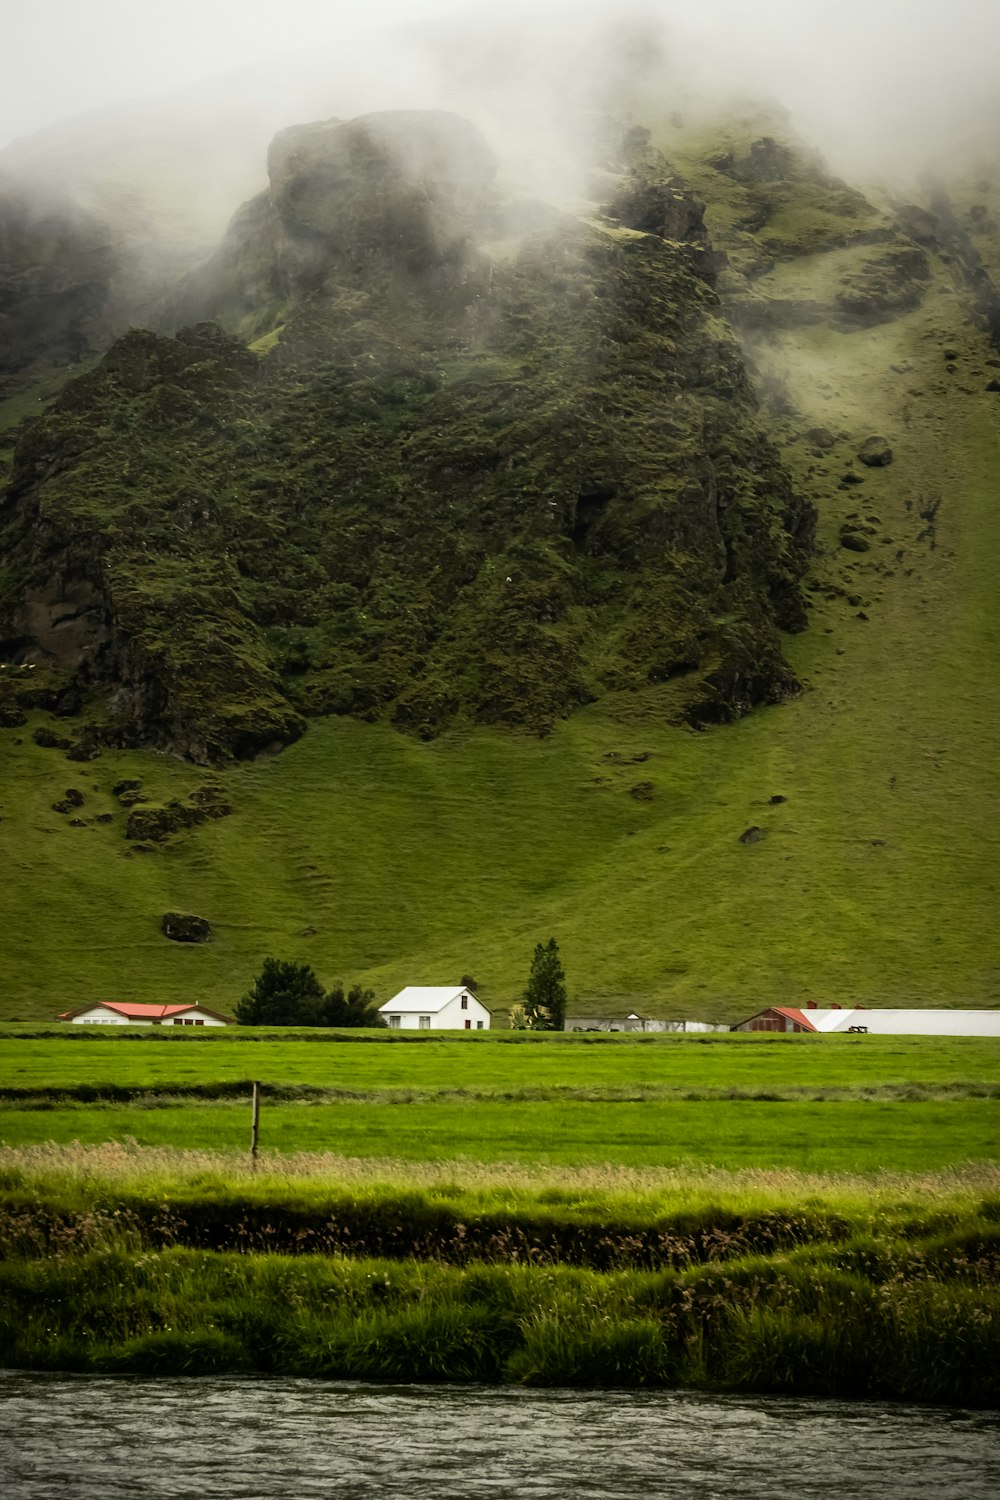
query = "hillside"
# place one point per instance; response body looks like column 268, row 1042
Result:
column 380, row 854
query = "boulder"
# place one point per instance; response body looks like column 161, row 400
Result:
column 875, row 453
column 182, row 927
column 820, row 437
column 752, row 835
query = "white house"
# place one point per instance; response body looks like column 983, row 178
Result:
column 125, row 1013
column 435, row 1007
column 877, row 1022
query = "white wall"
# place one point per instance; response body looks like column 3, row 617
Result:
column 451, row 1018
column 193, row 1015
column 97, row 1016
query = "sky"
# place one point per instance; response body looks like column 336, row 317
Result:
column 881, row 72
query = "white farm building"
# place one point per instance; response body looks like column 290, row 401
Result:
column 435, row 1007
column 125, row 1013
column 877, row 1022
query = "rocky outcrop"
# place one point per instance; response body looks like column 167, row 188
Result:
column 481, row 425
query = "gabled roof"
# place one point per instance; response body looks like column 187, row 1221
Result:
column 426, row 998
column 799, row 1016
column 139, row 1012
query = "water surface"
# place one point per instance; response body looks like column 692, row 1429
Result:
column 233, row 1438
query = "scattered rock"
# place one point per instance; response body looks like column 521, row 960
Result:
column 853, row 540
column 820, row 437
column 104, row 818
column 861, row 615
column 154, row 824
column 950, row 354
column 875, row 453
column 777, row 800
column 12, row 717
column 643, row 791
column 49, row 740
column 84, row 749
column 850, row 478
column 752, row 835
column 994, row 385
column 72, row 800
column 125, row 786
column 77, row 823
column 181, row 927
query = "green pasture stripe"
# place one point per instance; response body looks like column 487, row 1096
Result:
column 804, row 1136
column 712, row 1062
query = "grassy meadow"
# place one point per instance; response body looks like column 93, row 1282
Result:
column 721, row 1211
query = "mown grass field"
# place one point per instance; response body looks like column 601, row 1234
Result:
column 840, row 1104
column 502, row 1063
column 798, row 1135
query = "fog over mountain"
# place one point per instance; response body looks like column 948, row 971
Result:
column 876, row 83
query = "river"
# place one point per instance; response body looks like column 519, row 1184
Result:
column 95, row 1438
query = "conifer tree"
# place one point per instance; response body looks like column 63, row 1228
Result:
column 545, row 997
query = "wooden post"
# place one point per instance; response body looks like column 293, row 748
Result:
column 254, row 1125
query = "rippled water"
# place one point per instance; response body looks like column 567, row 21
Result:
column 240, row 1439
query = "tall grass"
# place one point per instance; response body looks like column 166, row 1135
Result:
column 115, row 1259
column 750, row 1325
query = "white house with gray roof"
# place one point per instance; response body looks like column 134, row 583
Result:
column 435, row 1007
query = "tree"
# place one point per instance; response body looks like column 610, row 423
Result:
column 357, row 1008
column 283, row 994
column 545, row 997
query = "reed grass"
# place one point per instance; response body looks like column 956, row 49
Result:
column 787, row 1324
column 117, row 1259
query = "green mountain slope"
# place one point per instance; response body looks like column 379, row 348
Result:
column 379, row 856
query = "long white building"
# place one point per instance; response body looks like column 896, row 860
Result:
column 876, row 1021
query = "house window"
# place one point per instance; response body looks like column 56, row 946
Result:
column 424, row 1023
column 479, row 1025
column 468, row 1025
column 394, row 1023
column 465, row 1002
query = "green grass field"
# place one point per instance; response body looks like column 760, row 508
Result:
column 500, row 1063
column 732, row 1212
column 814, row 1104
column 797, row 1135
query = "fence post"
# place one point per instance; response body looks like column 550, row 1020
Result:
column 254, row 1124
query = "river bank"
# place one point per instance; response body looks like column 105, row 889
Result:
column 874, row 1290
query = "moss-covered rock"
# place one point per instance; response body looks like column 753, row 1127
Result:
column 497, row 461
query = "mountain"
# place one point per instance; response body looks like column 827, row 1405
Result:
column 512, row 515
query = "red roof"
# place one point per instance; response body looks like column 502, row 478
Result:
column 798, row 1016
column 139, row 1012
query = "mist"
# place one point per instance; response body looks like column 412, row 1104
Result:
column 883, row 87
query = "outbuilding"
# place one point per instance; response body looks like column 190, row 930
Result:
column 876, row 1021
column 127, row 1013
column 435, row 1007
